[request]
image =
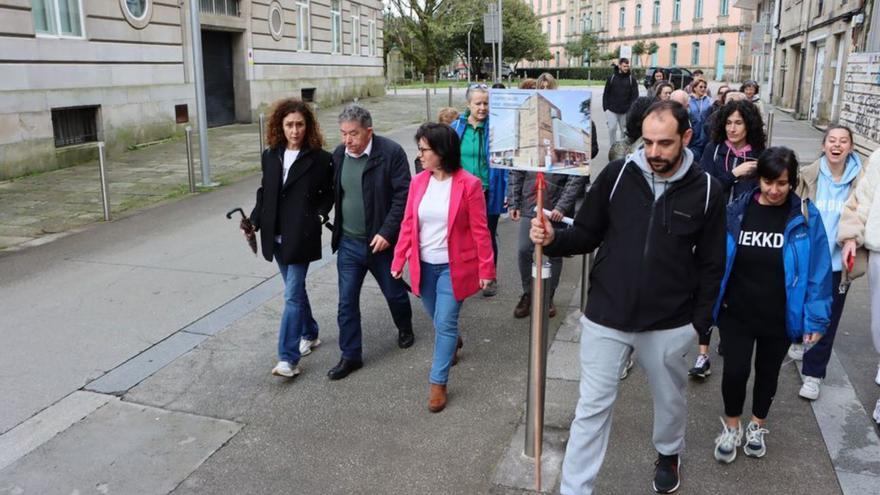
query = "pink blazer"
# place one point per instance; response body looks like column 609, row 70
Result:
column 468, row 241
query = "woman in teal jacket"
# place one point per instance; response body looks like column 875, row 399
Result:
column 473, row 131
column 776, row 290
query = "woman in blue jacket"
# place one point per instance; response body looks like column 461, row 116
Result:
column 776, row 290
column 699, row 108
column 473, row 131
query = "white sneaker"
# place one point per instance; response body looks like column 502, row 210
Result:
column 306, row 346
column 796, row 352
column 727, row 442
column 810, row 388
column 877, row 412
column 755, row 446
column 283, row 368
column 877, row 377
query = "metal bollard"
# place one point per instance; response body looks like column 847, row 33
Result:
column 190, row 168
column 105, row 190
column 427, row 105
column 262, row 125
column 450, row 97
column 770, row 128
column 532, row 401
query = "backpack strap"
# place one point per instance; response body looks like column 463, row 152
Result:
column 619, row 175
column 708, row 191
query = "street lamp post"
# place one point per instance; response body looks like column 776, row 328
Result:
column 468, row 62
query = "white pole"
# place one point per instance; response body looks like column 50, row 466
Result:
column 468, row 64
column 500, row 38
column 199, row 73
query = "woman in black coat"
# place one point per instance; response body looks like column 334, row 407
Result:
column 293, row 201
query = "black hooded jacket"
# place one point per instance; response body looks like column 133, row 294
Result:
column 621, row 90
column 660, row 263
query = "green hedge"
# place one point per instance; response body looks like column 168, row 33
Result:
column 596, row 73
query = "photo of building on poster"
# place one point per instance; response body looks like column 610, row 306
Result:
column 540, row 131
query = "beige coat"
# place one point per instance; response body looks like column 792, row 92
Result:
column 808, row 179
column 860, row 219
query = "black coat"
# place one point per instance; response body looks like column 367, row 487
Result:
column 385, row 187
column 293, row 210
column 621, row 90
column 660, row 263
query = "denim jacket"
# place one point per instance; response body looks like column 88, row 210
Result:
column 806, row 261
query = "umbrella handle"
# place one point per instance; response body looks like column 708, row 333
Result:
column 230, row 212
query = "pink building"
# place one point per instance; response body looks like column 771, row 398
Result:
column 710, row 35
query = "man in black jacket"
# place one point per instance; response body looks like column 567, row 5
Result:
column 621, row 89
column 372, row 181
column 659, row 224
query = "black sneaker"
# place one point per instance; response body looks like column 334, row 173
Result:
column 666, row 478
column 702, row 367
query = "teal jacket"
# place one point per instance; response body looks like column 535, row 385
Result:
column 497, row 176
column 807, row 264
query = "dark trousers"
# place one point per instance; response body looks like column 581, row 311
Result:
column 816, row 359
column 353, row 260
column 769, row 345
column 492, row 219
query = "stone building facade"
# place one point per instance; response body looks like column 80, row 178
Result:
column 121, row 71
column 710, row 35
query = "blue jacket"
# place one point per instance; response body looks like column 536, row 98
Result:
column 698, row 111
column 497, row 176
column 806, row 261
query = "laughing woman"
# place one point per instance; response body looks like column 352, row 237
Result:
column 294, row 198
column 445, row 239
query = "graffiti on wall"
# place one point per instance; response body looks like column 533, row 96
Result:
column 861, row 98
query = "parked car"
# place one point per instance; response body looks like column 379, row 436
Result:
column 678, row 76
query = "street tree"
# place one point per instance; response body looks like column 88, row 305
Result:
column 586, row 47
column 652, row 48
column 523, row 39
column 638, row 50
column 419, row 29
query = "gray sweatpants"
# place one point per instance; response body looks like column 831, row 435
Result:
column 604, row 351
column 874, row 290
column 526, row 250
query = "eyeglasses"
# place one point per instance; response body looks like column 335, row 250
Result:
column 478, row 86
column 422, row 150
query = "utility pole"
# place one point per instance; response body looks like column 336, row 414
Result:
column 500, row 38
column 199, row 73
column 468, row 63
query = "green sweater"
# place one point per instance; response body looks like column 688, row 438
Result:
column 473, row 156
column 353, row 216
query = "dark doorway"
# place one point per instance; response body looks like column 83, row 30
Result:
column 219, row 91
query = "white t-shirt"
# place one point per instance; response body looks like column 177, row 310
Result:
column 289, row 158
column 433, row 221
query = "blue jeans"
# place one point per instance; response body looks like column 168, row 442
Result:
column 816, row 359
column 440, row 303
column 296, row 320
column 353, row 260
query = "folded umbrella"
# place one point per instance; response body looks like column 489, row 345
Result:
column 247, row 227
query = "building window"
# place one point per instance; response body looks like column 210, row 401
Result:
column 587, row 23
column 58, row 17
column 220, row 7
column 558, row 29
column 355, row 30
column 698, row 9
column 622, row 21
column 725, row 7
column 571, row 25
column 557, row 58
column 673, row 54
column 548, row 30
column 372, row 37
column 137, row 12
column 303, row 26
column 676, row 11
column 656, row 18
column 599, row 17
column 695, row 53
column 74, row 125
column 276, row 21
column 638, row 15
column 335, row 26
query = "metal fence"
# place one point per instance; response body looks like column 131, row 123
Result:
column 220, row 7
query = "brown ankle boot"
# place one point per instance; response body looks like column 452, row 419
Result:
column 458, row 346
column 437, row 398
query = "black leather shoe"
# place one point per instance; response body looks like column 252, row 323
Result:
column 344, row 368
column 405, row 339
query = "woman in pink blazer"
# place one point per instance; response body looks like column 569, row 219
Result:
column 445, row 238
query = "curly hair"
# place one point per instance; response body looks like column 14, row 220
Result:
column 275, row 129
column 755, row 135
